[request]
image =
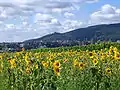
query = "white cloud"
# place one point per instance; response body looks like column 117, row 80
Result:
column 43, row 18
column 42, row 5
column 46, row 22
column 69, row 25
column 68, row 14
column 25, row 19
column 55, row 22
column 92, row 1
column 10, row 26
column 107, row 14
column 3, row 15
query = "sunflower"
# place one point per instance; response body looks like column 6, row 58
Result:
column 36, row 66
column 0, row 57
column 117, row 56
column 110, row 51
column 57, row 70
column 95, row 61
column 1, row 67
column 45, row 64
column 56, row 64
column 81, row 65
column 28, row 71
column 65, row 60
column 108, row 70
column 76, row 63
column 90, row 54
column 12, row 62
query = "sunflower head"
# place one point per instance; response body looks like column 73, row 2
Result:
column 0, row 57
column 76, row 63
column 95, row 61
column 108, row 70
column 57, row 70
column 1, row 67
column 45, row 64
column 65, row 60
column 90, row 54
column 12, row 63
column 36, row 66
column 28, row 71
column 81, row 65
column 56, row 64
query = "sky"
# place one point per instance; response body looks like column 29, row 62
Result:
column 28, row 19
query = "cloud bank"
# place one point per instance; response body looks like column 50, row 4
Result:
column 26, row 19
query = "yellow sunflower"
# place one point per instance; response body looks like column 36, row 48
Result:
column 76, row 63
column 28, row 71
column 57, row 70
column 36, row 66
column 45, row 64
column 95, row 61
column 13, row 63
column 108, row 70
column 81, row 65
column 56, row 64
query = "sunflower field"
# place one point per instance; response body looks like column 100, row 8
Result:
column 64, row 70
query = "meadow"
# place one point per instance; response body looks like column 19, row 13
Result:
column 91, row 67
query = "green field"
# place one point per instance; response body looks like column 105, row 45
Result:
column 90, row 67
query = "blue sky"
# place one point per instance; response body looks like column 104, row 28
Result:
column 26, row 19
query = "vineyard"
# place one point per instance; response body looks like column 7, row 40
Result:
column 90, row 67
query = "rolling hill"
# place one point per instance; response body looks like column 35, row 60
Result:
column 98, row 32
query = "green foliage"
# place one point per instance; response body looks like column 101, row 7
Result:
column 90, row 47
column 35, row 69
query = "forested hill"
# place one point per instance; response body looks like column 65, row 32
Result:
column 98, row 32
